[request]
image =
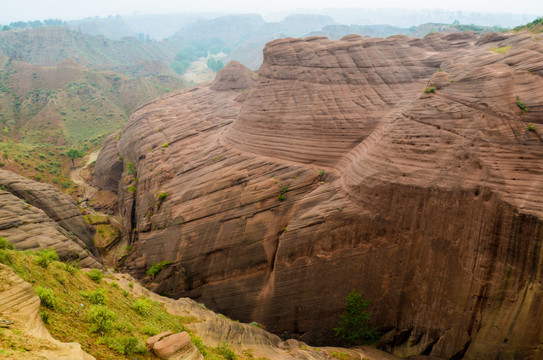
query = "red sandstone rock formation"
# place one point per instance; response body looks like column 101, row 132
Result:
column 336, row 171
column 35, row 215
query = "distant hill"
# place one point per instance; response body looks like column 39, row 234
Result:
column 111, row 27
column 62, row 89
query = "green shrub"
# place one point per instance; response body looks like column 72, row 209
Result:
column 165, row 145
column 199, row 345
column 125, row 345
column 163, row 195
column 115, row 285
column 521, row 105
column 132, row 189
column 70, row 267
column 283, row 190
column 95, row 275
column 47, row 297
column 101, row 318
column 4, row 244
column 150, row 330
column 430, row 89
column 226, row 351
column 356, row 327
column 46, row 257
column 130, row 168
column 157, row 268
column 97, row 297
column 142, row 306
column 5, row 257
column 531, row 127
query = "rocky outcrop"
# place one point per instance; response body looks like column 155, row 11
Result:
column 234, row 76
column 20, row 308
column 173, row 346
column 37, row 216
column 403, row 168
column 109, row 165
column 247, row 339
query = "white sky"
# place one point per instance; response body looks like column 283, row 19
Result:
column 14, row 10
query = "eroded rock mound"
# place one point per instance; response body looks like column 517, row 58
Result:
column 36, row 216
column 404, row 168
column 234, row 76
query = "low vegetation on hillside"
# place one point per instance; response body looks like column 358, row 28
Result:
column 534, row 26
column 90, row 308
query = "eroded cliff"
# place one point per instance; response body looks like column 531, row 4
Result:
column 401, row 167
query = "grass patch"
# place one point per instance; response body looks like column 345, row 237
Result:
column 501, row 50
column 95, row 275
column 108, row 331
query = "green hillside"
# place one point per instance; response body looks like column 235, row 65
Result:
column 60, row 89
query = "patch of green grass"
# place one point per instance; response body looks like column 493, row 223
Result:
column 46, row 256
column 501, row 50
column 531, row 127
column 142, row 306
column 96, row 297
column 4, row 244
column 107, row 332
column 47, row 297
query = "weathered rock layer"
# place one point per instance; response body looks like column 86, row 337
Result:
column 337, row 171
column 37, row 216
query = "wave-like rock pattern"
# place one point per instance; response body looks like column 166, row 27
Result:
column 429, row 203
column 37, row 216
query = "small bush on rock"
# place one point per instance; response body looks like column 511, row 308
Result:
column 356, row 327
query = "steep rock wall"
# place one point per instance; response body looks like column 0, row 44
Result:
column 336, row 171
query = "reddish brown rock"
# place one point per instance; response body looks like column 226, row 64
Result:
column 37, row 216
column 234, row 76
column 430, row 204
column 109, row 165
column 149, row 343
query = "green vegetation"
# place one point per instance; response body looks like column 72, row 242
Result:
column 521, row 106
column 226, row 351
column 47, row 297
column 343, row 356
column 74, row 154
column 165, row 145
column 130, row 168
column 531, row 127
column 142, row 306
column 155, row 269
column 95, row 275
column 535, row 26
column 501, row 50
column 430, row 89
column 96, row 297
column 46, row 257
column 161, row 196
column 356, row 327
column 115, row 328
column 4, row 244
column 283, row 189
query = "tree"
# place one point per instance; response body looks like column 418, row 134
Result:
column 356, row 326
column 74, row 154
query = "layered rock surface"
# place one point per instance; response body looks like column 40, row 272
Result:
column 428, row 203
column 36, row 216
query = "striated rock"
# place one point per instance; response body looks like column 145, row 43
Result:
column 149, row 343
column 60, row 207
column 21, row 307
column 176, row 347
column 247, row 339
column 57, row 224
column 234, row 76
column 109, row 166
column 339, row 172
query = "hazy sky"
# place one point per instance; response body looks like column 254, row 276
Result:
column 77, row 9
